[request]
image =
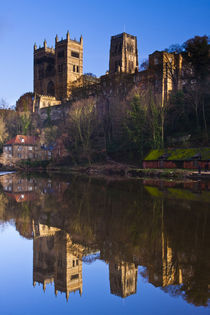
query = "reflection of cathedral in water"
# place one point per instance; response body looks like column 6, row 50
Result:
column 56, row 259
column 123, row 278
column 170, row 259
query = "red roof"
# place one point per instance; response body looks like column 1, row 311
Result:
column 20, row 139
column 20, row 197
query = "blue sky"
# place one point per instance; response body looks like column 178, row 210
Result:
column 157, row 25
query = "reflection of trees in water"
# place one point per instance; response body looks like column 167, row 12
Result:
column 3, row 204
column 168, row 236
column 190, row 239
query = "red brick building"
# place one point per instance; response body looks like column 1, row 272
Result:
column 25, row 147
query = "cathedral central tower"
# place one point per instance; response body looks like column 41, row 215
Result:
column 123, row 54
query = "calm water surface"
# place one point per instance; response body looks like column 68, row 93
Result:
column 72, row 245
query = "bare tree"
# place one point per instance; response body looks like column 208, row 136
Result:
column 82, row 125
column 3, row 131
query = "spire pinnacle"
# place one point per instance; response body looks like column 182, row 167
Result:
column 81, row 40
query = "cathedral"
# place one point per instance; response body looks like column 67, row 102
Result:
column 57, row 69
column 59, row 78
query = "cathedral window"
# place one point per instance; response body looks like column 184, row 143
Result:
column 61, row 54
column 60, row 68
column 117, row 65
column 74, row 68
column 41, row 74
column 130, row 66
column 51, row 89
column 77, row 68
column 74, row 54
column 50, row 70
column 156, row 61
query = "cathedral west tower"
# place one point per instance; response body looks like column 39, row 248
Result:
column 55, row 69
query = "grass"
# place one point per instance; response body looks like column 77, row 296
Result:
column 34, row 164
column 154, row 191
column 177, row 193
column 154, row 154
column 179, row 154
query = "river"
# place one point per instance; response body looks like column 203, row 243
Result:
column 82, row 245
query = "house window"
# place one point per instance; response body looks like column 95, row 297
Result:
column 19, row 155
column 19, row 148
column 77, row 68
column 10, row 148
column 74, row 68
column 30, row 148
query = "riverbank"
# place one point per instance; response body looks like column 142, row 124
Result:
column 5, row 172
column 115, row 169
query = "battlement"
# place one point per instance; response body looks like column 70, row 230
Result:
column 46, row 49
column 64, row 41
column 123, row 34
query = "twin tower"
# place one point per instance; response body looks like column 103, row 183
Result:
column 55, row 69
